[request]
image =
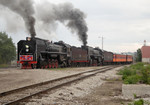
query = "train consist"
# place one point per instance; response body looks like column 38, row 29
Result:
column 39, row 53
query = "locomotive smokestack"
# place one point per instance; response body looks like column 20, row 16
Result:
column 65, row 13
column 25, row 9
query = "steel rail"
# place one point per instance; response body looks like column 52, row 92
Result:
column 81, row 77
column 46, row 82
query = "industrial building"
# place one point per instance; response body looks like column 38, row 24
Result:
column 145, row 50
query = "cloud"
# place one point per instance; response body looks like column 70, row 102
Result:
column 125, row 47
column 9, row 19
column 123, row 23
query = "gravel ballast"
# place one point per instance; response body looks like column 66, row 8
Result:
column 67, row 95
column 15, row 78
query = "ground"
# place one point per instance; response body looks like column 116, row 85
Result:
column 104, row 94
column 101, row 89
column 12, row 78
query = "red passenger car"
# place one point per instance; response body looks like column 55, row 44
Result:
column 129, row 59
column 119, row 58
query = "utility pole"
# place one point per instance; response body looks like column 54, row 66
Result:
column 144, row 42
column 102, row 41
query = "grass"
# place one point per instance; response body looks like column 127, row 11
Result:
column 139, row 102
column 133, row 79
column 3, row 65
column 136, row 73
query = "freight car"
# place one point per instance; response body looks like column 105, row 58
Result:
column 38, row 53
column 108, row 57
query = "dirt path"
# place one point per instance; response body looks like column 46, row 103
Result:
column 104, row 95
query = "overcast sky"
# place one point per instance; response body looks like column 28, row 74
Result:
column 124, row 24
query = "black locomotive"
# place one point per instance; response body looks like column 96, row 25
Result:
column 39, row 53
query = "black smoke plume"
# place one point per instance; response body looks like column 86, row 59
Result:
column 25, row 9
column 65, row 13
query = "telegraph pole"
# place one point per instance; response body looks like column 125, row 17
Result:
column 102, row 41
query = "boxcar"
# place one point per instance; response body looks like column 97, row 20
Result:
column 108, row 57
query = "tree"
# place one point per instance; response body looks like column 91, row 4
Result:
column 7, row 49
column 139, row 56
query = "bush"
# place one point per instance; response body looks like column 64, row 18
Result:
column 139, row 72
column 127, row 72
column 137, row 66
column 139, row 102
column 133, row 79
column 145, row 78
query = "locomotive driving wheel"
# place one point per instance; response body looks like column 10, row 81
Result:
column 49, row 63
column 56, row 63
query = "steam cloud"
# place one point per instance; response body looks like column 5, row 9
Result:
column 25, row 9
column 65, row 13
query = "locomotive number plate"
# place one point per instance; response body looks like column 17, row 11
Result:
column 26, row 57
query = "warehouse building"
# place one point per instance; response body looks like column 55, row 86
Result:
column 145, row 53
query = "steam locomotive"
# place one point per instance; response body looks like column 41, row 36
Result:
column 39, row 53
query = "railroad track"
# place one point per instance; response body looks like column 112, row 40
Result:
column 16, row 96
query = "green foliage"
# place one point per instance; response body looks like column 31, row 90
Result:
column 139, row 56
column 137, row 73
column 135, row 96
column 7, row 49
column 122, row 103
column 145, row 75
column 139, row 102
column 3, row 65
column 137, row 66
column 133, row 79
column 127, row 72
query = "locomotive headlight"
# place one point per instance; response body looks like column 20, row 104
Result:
column 28, row 38
column 27, row 50
column 26, row 46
